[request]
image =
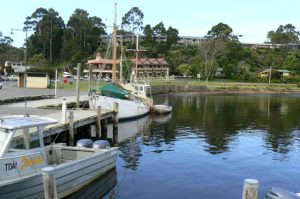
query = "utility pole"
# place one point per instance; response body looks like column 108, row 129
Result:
column 25, row 50
column 270, row 74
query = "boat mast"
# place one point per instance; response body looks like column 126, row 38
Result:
column 114, row 77
column 136, row 56
column 121, row 65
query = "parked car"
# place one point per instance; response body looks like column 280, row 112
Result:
column 106, row 79
column 12, row 77
column 67, row 74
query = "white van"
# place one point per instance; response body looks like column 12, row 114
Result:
column 67, row 74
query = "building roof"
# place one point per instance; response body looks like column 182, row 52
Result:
column 100, row 60
column 151, row 61
column 284, row 71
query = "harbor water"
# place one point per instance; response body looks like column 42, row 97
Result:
column 208, row 145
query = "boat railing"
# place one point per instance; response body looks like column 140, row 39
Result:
column 21, row 165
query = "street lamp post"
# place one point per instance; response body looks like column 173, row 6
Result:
column 25, row 50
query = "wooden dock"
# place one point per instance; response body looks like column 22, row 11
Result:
column 80, row 117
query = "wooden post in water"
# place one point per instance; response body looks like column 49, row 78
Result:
column 104, row 129
column 250, row 189
column 64, row 111
column 93, row 131
column 98, row 122
column 71, row 129
column 115, row 123
column 49, row 183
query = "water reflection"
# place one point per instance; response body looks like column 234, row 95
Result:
column 221, row 118
column 99, row 187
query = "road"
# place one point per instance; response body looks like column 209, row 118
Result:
column 10, row 90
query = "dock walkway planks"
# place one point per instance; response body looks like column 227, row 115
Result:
column 38, row 107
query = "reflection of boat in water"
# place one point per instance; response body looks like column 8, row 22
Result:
column 98, row 188
column 130, row 128
column 162, row 109
column 162, row 119
column 23, row 156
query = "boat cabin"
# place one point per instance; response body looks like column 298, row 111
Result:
column 143, row 89
column 21, row 146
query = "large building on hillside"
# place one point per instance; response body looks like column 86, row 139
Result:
column 100, row 67
column 152, row 67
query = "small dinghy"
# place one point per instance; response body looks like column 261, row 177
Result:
column 162, row 109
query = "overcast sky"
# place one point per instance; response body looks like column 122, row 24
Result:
column 250, row 18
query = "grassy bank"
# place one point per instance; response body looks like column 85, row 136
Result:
column 211, row 85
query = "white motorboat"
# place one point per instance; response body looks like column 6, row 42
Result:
column 23, row 156
column 162, row 109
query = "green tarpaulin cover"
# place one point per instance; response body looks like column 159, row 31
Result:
column 112, row 90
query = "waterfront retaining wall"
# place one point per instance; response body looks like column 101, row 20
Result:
column 177, row 89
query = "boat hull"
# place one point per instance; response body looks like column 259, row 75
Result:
column 127, row 109
column 70, row 177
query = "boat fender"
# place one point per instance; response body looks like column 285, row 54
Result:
column 101, row 144
column 277, row 193
column 84, row 143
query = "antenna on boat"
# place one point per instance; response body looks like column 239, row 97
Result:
column 114, row 77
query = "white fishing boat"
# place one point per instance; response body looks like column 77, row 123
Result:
column 23, row 156
column 162, row 109
column 132, row 102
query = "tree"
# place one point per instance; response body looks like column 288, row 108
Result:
column 185, row 69
column 82, row 35
column 133, row 20
column 148, row 36
column 48, row 29
column 38, row 60
column 284, row 35
column 8, row 52
column 209, row 51
column 172, row 36
column 221, row 31
column 291, row 62
column 5, row 40
column 159, row 29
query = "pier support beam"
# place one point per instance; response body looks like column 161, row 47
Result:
column 104, row 129
column 98, row 122
column 93, row 131
column 250, row 189
column 49, row 183
column 71, row 129
column 115, row 123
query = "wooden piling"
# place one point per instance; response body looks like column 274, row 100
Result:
column 104, row 129
column 250, row 189
column 49, row 183
column 98, row 122
column 93, row 131
column 64, row 111
column 71, row 129
column 115, row 123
